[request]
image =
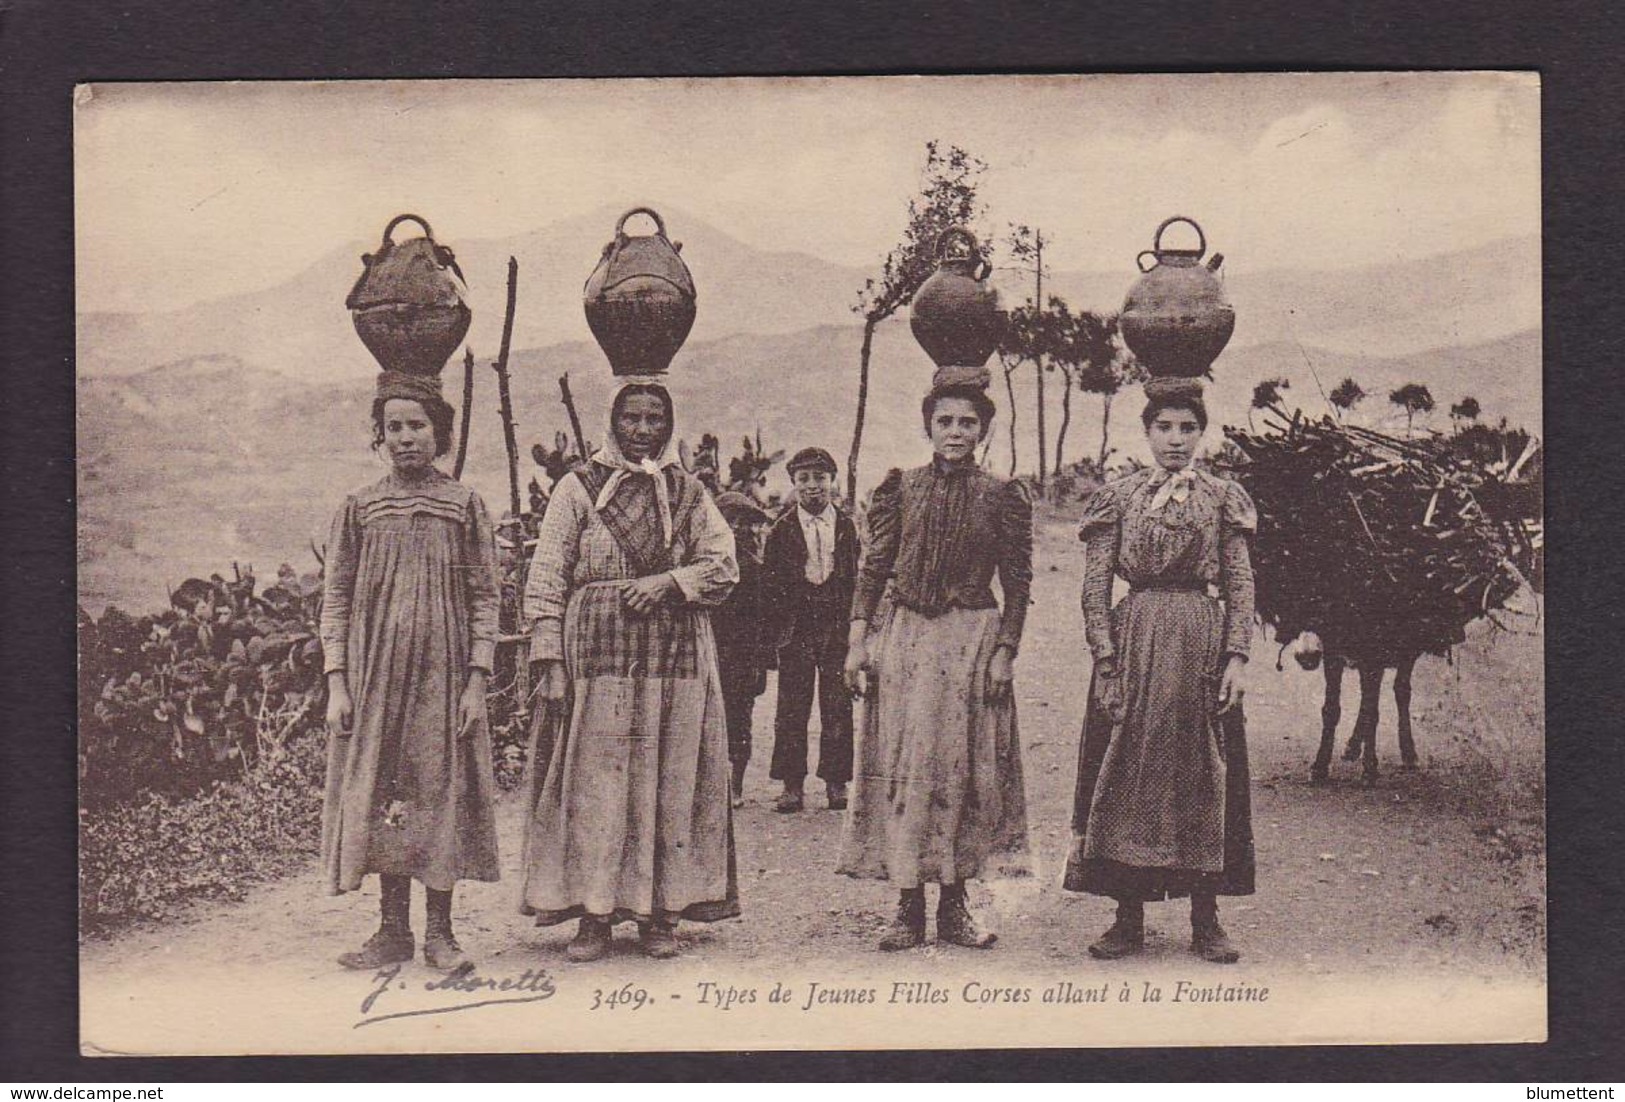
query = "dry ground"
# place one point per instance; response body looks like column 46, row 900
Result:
column 1371, row 902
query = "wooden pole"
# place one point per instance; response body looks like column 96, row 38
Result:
column 504, row 397
column 575, row 418
column 468, row 411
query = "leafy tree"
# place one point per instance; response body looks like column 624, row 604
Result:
column 1084, row 349
column 1107, row 375
column 947, row 197
column 1346, row 395
column 1413, row 398
column 1011, row 357
column 1266, row 395
column 1465, row 410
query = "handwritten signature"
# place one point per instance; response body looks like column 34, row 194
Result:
column 533, row 985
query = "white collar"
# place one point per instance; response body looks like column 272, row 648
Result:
column 814, row 518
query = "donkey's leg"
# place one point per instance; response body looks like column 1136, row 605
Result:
column 1330, row 712
column 1402, row 703
column 1355, row 744
column 1365, row 724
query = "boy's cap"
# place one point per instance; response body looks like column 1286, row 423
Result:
column 735, row 507
column 816, row 459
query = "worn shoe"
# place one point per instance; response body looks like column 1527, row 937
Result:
column 1208, row 941
column 383, row 947
column 442, row 953
column 659, row 940
column 1124, row 939
column 956, row 925
column 592, row 941
column 907, row 929
column 835, row 794
column 789, row 802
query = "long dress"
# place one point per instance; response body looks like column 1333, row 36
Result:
column 410, row 605
column 631, row 817
column 938, row 794
column 1162, row 806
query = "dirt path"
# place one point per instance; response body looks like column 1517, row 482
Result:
column 1364, row 893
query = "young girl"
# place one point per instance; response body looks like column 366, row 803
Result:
column 1162, row 805
column 409, row 629
column 938, row 789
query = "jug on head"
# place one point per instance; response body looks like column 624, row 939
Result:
column 956, row 315
column 1176, row 318
column 640, row 299
column 410, row 306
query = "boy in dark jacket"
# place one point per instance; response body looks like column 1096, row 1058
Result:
column 743, row 641
column 810, row 566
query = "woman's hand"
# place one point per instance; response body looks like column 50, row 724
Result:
column 471, row 707
column 644, row 595
column 548, row 678
column 1001, row 671
column 857, row 659
column 1109, row 688
column 1232, row 683
column 340, row 709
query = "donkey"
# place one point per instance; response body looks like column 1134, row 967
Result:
column 1309, row 651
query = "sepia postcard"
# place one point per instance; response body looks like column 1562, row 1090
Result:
column 810, row 563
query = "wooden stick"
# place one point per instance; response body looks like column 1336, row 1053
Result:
column 468, row 411
column 504, row 397
column 575, row 418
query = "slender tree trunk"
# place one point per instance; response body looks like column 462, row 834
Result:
column 863, row 404
column 1038, row 305
column 1066, row 421
column 1043, row 438
column 1010, row 395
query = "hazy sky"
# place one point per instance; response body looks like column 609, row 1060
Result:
column 187, row 192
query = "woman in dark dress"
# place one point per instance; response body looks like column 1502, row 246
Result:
column 938, row 794
column 1162, row 807
column 409, row 631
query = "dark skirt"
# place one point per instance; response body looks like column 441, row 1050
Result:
column 1124, row 881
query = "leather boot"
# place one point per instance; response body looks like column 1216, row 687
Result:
column 907, row 928
column 440, row 948
column 592, row 940
column 835, row 795
column 659, row 939
column 1126, row 935
column 1208, row 939
column 955, row 924
column 393, row 943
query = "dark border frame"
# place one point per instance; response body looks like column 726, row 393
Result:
column 46, row 46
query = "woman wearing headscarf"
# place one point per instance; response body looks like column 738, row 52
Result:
column 409, row 630
column 630, row 818
column 1162, row 807
column 938, row 793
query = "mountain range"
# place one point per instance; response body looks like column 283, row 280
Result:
column 230, row 430
column 301, row 329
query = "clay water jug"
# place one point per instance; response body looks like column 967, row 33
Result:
column 640, row 299
column 956, row 316
column 1176, row 318
column 410, row 306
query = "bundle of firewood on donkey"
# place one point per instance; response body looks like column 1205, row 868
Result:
column 1373, row 550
